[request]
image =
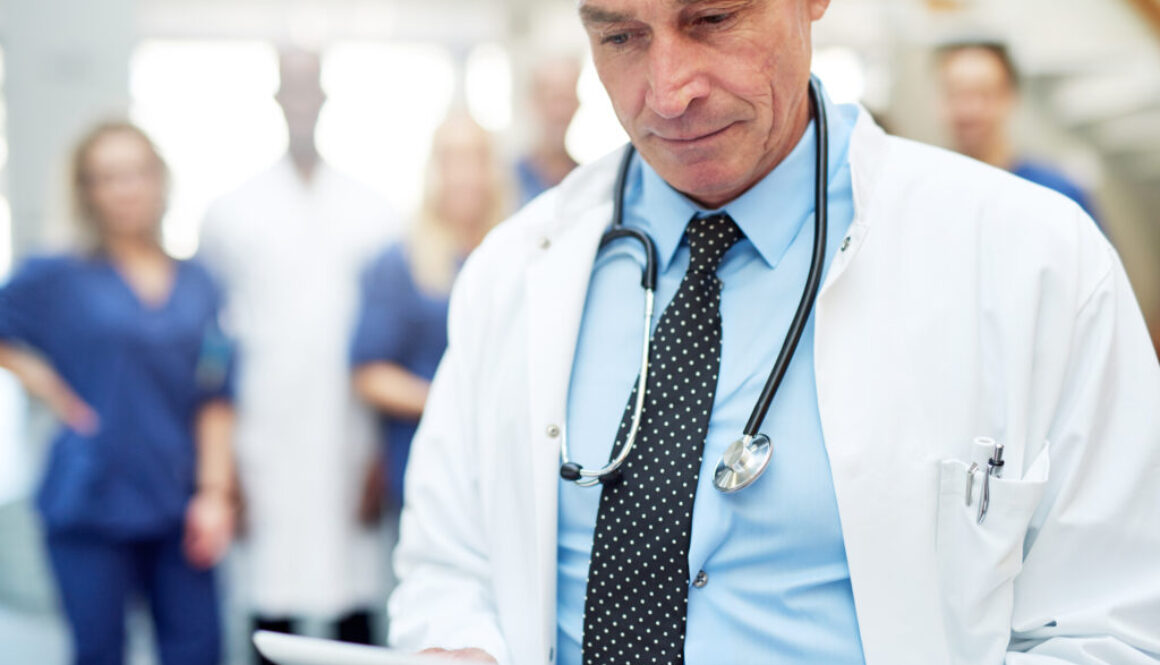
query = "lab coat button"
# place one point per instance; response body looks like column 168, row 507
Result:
column 545, row 243
column 553, row 431
column 845, row 243
column 701, row 580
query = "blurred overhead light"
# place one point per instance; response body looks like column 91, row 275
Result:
column 384, row 102
column 488, row 86
column 209, row 106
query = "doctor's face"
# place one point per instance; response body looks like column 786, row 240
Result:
column 713, row 93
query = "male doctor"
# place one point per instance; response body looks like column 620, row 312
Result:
column 958, row 302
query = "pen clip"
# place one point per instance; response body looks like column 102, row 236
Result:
column 994, row 468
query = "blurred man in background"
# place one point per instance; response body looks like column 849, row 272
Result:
column 288, row 247
column 554, row 104
column 980, row 92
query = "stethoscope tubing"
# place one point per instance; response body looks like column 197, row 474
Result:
column 588, row 478
column 817, row 262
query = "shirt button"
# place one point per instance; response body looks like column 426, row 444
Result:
column 701, row 580
column 553, row 431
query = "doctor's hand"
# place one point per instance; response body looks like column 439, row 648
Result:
column 468, row 655
column 209, row 526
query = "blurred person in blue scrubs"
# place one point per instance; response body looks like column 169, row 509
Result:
column 980, row 92
column 402, row 327
column 553, row 102
column 122, row 343
column 288, row 247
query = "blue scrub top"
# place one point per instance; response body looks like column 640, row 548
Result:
column 529, row 181
column 146, row 370
column 401, row 324
column 1041, row 174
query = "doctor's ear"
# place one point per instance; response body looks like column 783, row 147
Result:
column 818, row 8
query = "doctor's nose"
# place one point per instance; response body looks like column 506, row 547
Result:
column 676, row 79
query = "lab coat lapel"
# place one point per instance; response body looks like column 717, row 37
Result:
column 556, row 285
column 881, row 503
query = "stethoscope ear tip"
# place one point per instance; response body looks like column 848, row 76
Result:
column 570, row 471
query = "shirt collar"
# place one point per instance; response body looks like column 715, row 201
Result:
column 770, row 214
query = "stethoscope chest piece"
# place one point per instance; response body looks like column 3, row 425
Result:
column 743, row 462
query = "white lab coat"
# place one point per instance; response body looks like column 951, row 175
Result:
column 288, row 254
column 966, row 303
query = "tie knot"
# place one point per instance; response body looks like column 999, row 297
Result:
column 709, row 238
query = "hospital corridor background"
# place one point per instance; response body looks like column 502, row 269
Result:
column 329, row 164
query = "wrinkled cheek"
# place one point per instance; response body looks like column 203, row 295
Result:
column 631, row 119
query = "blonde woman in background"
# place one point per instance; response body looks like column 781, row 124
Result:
column 122, row 343
column 402, row 329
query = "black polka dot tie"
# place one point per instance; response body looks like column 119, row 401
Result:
column 638, row 577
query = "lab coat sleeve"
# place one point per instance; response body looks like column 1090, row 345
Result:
column 213, row 244
column 1089, row 591
column 444, row 597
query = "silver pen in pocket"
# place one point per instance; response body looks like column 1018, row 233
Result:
column 994, row 469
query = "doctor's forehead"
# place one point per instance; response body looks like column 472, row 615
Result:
column 617, row 11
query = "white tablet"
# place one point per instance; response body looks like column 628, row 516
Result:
column 286, row 649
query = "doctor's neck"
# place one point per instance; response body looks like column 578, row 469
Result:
column 304, row 155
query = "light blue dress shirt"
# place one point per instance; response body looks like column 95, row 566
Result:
column 778, row 587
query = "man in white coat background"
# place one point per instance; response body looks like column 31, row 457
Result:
column 288, row 247
column 961, row 308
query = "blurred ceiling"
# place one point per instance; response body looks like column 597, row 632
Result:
column 1093, row 64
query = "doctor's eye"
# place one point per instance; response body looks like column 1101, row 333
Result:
column 616, row 38
column 714, row 20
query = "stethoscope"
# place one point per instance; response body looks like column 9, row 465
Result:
column 746, row 458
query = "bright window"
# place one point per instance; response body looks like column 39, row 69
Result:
column 209, row 106
column 384, row 103
column 595, row 131
column 488, row 83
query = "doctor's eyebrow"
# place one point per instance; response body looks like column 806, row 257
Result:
column 590, row 15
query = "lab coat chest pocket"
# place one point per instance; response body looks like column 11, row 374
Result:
column 978, row 562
